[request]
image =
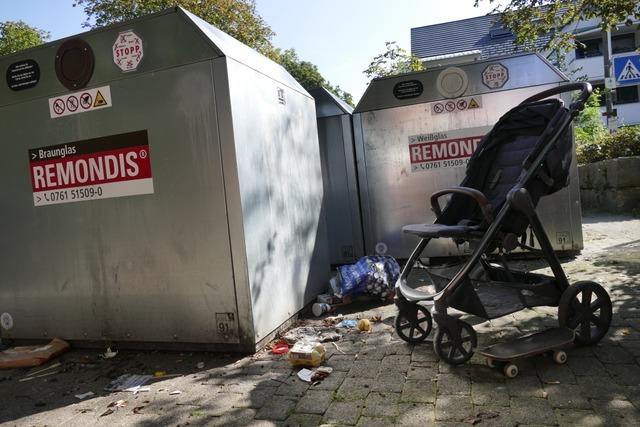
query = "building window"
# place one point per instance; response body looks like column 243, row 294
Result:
column 593, row 47
column 624, row 94
column 588, row 48
column 623, row 43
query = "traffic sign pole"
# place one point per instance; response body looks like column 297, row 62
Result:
column 608, row 93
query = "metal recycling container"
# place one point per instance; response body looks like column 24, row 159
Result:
column 414, row 134
column 161, row 184
column 341, row 200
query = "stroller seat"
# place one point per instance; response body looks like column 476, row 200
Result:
column 441, row 230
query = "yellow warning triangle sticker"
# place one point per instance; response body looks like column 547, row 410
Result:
column 100, row 101
column 472, row 104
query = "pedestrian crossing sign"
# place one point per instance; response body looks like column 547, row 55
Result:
column 626, row 69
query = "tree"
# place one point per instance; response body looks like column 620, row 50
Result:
column 531, row 19
column 588, row 124
column 308, row 75
column 239, row 18
column 395, row 60
column 17, row 35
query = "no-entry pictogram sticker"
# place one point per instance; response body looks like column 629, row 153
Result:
column 86, row 100
column 72, row 103
column 80, row 102
column 58, row 106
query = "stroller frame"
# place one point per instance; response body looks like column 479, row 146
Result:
column 455, row 340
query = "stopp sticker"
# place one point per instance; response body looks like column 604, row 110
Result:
column 128, row 51
column 448, row 149
column 99, row 168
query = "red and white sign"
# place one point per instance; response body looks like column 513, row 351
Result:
column 100, row 168
column 128, row 51
column 448, row 149
column 495, row 75
column 80, row 102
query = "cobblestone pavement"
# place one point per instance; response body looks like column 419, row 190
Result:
column 377, row 379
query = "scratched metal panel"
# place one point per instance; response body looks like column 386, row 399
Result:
column 281, row 190
column 153, row 268
column 393, row 195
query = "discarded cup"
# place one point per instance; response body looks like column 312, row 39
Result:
column 320, row 308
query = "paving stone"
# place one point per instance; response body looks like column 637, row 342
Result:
column 416, row 414
column 364, row 369
column 617, row 408
column 243, row 417
column 399, row 348
column 341, row 362
column 531, row 411
column 613, row 354
column 551, row 373
column 398, row 363
column 490, row 394
column 293, row 386
column 356, row 388
column 526, row 386
column 375, row 421
column 302, row 420
column 453, row 408
column 601, row 387
column 586, row 366
column 453, row 384
column 389, row 381
column 315, row 402
column 576, row 417
column 332, row 382
column 624, row 374
column 423, row 355
column 343, row 412
column 276, row 408
column 566, row 396
column 422, row 372
column 419, row 391
column 381, row 404
column 255, row 399
column 369, row 352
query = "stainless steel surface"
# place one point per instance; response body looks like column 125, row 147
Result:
column 394, row 194
column 341, row 201
column 231, row 243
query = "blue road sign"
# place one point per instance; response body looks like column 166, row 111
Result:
column 626, row 69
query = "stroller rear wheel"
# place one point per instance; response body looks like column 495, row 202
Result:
column 413, row 323
column 586, row 308
column 455, row 346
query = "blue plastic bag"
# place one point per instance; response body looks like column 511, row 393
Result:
column 374, row 275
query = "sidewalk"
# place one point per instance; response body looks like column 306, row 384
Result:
column 377, row 379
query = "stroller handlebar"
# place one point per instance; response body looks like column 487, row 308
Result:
column 577, row 105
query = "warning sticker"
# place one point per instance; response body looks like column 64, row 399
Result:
column 127, row 51
column 495, row 75
column 80, row 102
column 448, row 149
column 99, row 168
column 460, row 104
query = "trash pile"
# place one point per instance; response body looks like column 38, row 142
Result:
column 371, row 275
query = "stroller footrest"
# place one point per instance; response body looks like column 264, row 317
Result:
column 414, row 294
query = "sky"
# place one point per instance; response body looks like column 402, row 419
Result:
column 340, row 36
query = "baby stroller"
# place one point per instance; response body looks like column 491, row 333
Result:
column 525, row 156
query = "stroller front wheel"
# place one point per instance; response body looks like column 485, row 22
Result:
column 455, row 346
column 585, row 307
column 413, row 323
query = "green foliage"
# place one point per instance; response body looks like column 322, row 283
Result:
column 239, row 18
column 17, row 35
column 531, row 19
column 308, row 75
column 625, row 142
column 395, row 60
column 588, row 124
